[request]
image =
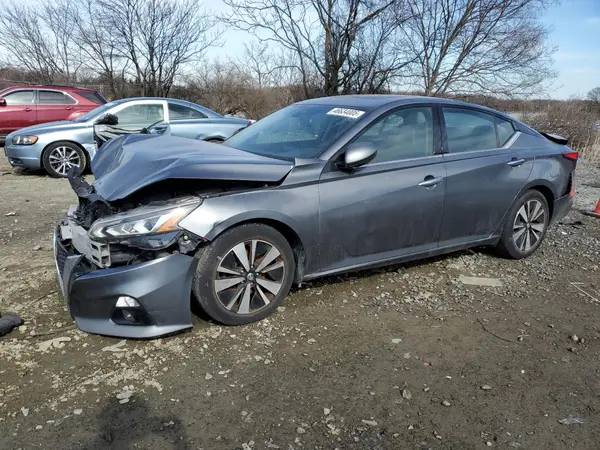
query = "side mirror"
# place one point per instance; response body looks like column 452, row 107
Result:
column 357, row 155
column 108, row 119
column 2, row 102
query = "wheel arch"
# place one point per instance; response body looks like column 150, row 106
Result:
column 542, row 186
column 211, row 137
column 279, row 222
column 68, row 141
column 546, row 190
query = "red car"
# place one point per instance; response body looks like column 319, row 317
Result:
column 23, row 106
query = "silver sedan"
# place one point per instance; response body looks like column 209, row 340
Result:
column 58, row 146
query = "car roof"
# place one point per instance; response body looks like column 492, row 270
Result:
column 207, row 111
column 370, row 102
column 48, row 86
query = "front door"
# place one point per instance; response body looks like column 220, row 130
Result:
column 136, row 116
column 20, row 111
column 392, row 206
column 132, row 118
column 484, row 174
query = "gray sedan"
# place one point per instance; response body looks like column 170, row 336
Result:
column 322, row 187
column 58, row 146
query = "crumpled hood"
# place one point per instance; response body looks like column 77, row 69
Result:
column 63, row 125
column 126, row 164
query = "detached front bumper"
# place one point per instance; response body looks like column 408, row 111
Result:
column 161, row 287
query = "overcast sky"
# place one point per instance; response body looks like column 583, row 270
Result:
column 575, row 28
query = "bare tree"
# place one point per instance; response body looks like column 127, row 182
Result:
column 158, row 38
column 41, row 39
column 259, row 63
column 379, row 59
column 594, row 97
column 100, row 47
column 478, row 46
column 320, row 35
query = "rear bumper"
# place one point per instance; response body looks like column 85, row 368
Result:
column 161, row 287
column 28, row 156
column 562, row 207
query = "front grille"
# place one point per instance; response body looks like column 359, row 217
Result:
column 61, row 255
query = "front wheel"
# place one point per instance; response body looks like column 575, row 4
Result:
column 244, row 274
column 59, row 157
column 525, row 226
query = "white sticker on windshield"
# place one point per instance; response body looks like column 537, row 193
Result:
column 345, row 112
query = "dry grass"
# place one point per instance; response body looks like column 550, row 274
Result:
column 590, row 151
column 574, row 119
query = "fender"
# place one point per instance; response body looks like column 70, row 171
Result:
column 209, row 224
column 529, row 185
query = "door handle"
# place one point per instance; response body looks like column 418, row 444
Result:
column 27, row 109
column 430, row 181
column 516, row 162
column 68, row 108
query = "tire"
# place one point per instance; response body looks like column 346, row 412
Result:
column 60, row 152
column 255, row 293
column 528, row 219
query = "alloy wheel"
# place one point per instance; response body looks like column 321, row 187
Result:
column 529, row 225
column 249, row 276
column 63, row 158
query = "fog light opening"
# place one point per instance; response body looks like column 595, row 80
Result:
column 128, row 316
column 127, row 302
column 128, row 311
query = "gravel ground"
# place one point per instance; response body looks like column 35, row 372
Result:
column 405, row 357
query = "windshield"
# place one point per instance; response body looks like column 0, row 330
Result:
column 298, row 131
column 94, row 112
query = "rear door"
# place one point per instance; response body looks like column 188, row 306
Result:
column 484, row 173
column 392, row 206
column 19, row 112
column 54, row 105
column 179, row 116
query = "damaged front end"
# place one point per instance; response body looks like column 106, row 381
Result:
column 125, row 265
column 126, row 270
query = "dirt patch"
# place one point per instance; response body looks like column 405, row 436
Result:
column 404, row 357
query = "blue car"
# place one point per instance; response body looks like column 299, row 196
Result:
column 58, row 146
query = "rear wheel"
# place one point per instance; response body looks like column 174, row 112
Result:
column 60, row 157
column 525, row 226
column 244, row 274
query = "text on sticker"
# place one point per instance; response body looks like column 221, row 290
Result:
column 345, row 112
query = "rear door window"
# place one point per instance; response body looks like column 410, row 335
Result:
column 93, row 97
column 181, row 112
column 505, row 130
column 54, row 98
column 468, row 130
column 20, row 98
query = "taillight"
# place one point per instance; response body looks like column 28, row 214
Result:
column 573, row 156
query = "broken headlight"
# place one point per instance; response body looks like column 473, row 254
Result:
column 143, row 221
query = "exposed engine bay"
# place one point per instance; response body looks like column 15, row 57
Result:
column 114, row 251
